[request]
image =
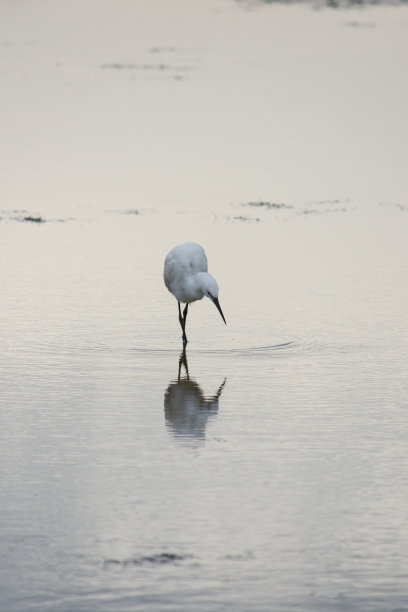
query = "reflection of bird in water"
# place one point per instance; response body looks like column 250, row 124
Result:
column 186, row 408
column 186, row 277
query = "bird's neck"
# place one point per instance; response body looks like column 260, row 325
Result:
column 193, row 287
column 198, row 283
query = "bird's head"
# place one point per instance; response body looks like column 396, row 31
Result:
column 209, row 287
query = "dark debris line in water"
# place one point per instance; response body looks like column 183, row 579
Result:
column 178, row 72
column 334, row 205
column 159, row 559
column 22, row 216
column 336, row 4
column 248, row 219
column 267, row 205
column 132, row 66
column 33, row 219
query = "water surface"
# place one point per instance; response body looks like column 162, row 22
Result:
column 265, row 468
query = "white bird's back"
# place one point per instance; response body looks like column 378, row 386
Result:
column 181, row 266
column 189, row 258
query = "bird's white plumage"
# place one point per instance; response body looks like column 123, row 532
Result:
column 186, row 277
column 186, row 273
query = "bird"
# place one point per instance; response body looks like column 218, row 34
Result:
column 186, row 277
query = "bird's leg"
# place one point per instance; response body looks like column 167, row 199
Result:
column 184, row 327
column 182, row 320
column 180, row 317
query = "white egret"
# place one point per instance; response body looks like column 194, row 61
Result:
column 186, row 277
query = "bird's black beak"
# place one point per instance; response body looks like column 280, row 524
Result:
column 216, row 302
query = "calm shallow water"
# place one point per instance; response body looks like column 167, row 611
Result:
column 266, row 468
column 127, row 484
